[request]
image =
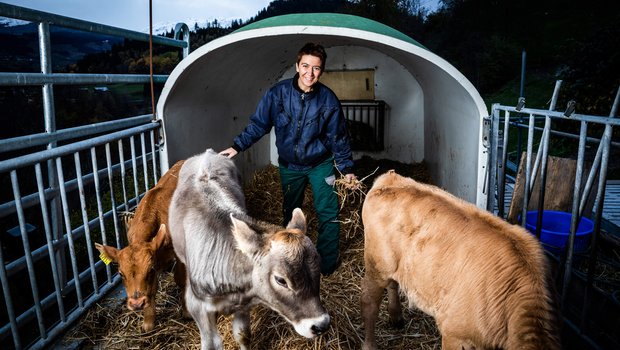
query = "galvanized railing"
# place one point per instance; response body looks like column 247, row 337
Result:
column 366, row 124
column 591, row 311
column 57, row 201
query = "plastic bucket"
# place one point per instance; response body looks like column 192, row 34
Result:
column 556, row 228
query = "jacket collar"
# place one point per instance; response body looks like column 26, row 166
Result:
column 315, row 88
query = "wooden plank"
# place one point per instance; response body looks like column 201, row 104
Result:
column 558, row 190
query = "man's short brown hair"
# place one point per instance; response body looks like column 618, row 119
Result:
column 313, row 49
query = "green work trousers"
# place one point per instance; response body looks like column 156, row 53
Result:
column 321, row 179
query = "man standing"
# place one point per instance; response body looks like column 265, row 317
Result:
column 311, row 138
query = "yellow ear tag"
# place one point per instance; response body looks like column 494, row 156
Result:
column 105, row 259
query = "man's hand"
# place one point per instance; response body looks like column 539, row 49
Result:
column 350, row 177
column 351, row 181
column 229, row 152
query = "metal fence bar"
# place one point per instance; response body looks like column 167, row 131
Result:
column 108, row 157
column 93, row 158
column 50, row 243
column 145, row 170
column 563, row 134
column 605, row 145
column 27, row 254
column 560, row 115
column 34, row 79
column 33, row 199
column 502, row 166
column 121, row 156
column 134, row 168
column 89, row 243
column 152, row 134
column 492, row 165
column 30, row 159
column 528, row 168
column 22, row 142
column 541, row 158
column 68, row 231
column 27, row 14
column 8, row 300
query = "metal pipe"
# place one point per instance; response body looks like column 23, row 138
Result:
column 108, row 157
column 545, row 134
column 33, row 140
column 182, row 30
column 522, row 85
column 144, row 167
column 154, row 163
column 504, row 162
column 541, row 157
column 567, row 135
column 575, row 217
column 528, row 170
column 50, row 243
column 8, row 300
column 598, row 211
column 32, row 79
column 93, row 158
column 69, row 232
column 121, row 157
column 492, row 166
column 134, row 168
column 31, row 200
column 89, row 243
column 26, row 243
column 36, row 16
column 560, row 115
column 30, row 159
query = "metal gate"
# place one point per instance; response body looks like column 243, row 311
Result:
column 63, row 190
column 587, row 282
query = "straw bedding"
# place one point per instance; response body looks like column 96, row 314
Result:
column 110, row 325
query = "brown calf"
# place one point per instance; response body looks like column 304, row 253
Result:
column 481, row 278
column 149, row 250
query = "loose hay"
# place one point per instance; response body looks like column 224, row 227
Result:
column 111, row 326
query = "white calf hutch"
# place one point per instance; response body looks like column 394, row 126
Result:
column 433, row 113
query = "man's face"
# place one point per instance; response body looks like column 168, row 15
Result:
column 309, row 69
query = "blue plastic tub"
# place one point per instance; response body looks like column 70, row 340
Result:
column 556, row 228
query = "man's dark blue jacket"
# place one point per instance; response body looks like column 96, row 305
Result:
column 309, row 127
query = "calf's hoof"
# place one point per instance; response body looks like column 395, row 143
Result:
column 148, row 326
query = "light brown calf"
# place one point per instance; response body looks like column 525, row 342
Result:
column 150, row 248
column 482, row 279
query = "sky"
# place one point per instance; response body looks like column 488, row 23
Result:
column 134, row 14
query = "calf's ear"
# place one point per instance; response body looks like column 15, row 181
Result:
column 107, row 251
column 161, row 237
column 249, row 242
column 298, row 221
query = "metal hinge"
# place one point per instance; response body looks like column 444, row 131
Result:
column 486, row 132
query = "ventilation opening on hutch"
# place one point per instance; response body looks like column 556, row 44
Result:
column 416, row 105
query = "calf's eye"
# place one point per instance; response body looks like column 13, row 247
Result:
column 281, row 281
